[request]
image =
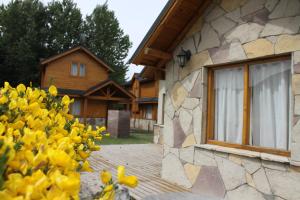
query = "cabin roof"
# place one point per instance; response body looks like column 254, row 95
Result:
column 72, row 50
column 167, row 31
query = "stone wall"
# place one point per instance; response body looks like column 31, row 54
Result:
column 230, row 31
column 142, row 124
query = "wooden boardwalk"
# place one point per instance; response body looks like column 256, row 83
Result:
column 142, row 160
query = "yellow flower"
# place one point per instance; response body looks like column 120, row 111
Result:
column 130, row 181
column 108, row 188
column 3, row 99
column 12, row 105
column 66, row 100
column 108, row 195
column 105, row 177
column 53, row 90
column 21, row 88
column 58, row 157
column 86, row 167
column 2, row 128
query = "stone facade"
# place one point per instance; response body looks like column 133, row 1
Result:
column 230, row 31
column 142, row 124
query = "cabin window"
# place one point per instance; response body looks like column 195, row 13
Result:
column 74, row 69
column 249, row 104
column 82, row 70
column 148, row 113
column 76, row 107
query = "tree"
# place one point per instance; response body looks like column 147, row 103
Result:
column 64, row 26
column 22, row 26
column 105, row 38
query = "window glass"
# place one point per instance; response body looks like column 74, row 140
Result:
column 82, row 70
column 229, row 91
column 74, row 69
column 148, row 112
column 76, row 107
column 270, row 86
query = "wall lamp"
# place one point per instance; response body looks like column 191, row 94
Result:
column 183, row 57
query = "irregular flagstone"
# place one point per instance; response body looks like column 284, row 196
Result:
column 244, row 33
column 236, row 52
column 296, row 57
column 214, row 13
column 219, row 55
column 284, row 184
column 175, row 151
column 195, row 28
column 189, row 81
column 187, row 154
column 245, row 192
column 249, row 180
column 272, row 39
column 190, row 103
column 295, row 152
column 296, row 132
column 235, row 16
column 252, row 6
column 168, row 131
column 259, row 48
column 286, row 9
column 178, row 95
column 209, row 38
column 270, row 4
column 233, row 175
column 261, row 181
column 274, row 165
column 185, row 118
column 196, row 91
column 197, row 124
column 192, row 172
column 287, row 43
column 189, row 141
column 230, row 5
column 260, row 17
column 222, row 25
column 251, row 164
column 173, row 171
column 204, row 158
column 179, row 135
column 189, row 43
column 236, row 159
column 209, row 183
column 297, row 105
column 288, row 25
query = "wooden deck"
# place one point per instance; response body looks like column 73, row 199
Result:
column 143, row 161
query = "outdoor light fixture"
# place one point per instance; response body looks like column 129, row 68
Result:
column 183, row 57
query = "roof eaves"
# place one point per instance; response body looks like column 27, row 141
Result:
column 152, row 29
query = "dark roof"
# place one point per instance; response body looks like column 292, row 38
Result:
column 145, row 100
column 68, row 91
column 53, row 58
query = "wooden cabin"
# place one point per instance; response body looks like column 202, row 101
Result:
column 145, row 87
column 84, row 77
column 231, row 101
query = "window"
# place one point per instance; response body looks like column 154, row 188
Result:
column 74, row 69
column 76, row 107
column 82, row 70
column 148, row 113
column 248, row 105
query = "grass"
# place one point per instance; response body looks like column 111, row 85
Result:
column 136, row 137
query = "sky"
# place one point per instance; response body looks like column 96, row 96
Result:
column 135, row 17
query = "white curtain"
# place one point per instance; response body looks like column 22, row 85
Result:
column 149, row 112
column 82, row 70
column 270, row 85
column 74, row 70
column 76, row 107
column 229, row 90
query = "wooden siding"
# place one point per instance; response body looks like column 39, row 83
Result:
column 58, row 72
column 148, row 89
column 96, row 109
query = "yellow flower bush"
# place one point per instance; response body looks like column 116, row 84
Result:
column 42, row 147
column 110, row 187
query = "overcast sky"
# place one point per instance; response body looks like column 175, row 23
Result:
column 135, row 17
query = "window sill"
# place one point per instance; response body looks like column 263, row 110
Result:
column 159, row 125
column 246, row 153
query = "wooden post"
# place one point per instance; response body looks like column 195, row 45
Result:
column 85, row 106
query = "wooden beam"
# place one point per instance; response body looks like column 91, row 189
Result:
column 158, row 53
column 108, row 98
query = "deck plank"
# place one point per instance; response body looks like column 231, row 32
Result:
column 143, row 161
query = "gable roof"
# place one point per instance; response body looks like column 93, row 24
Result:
column 72, row 50
column 168, row 30
column 106, row 83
